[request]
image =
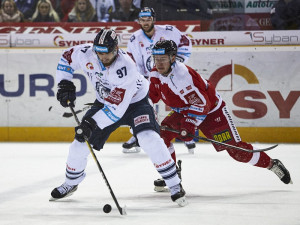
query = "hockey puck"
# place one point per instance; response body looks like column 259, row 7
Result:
column 107, row 208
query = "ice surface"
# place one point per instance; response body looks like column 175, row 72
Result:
column 219, row 189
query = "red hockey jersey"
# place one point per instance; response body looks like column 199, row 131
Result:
column 185, row 91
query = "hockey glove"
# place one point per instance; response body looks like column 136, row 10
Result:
column 85, row 129
column 187, row 126
column 66, row 92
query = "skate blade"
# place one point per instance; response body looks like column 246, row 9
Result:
column 191, row 151
column 181, row 201
column 131, row 150
column 161, row 189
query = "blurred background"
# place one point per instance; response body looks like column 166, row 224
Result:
column 248, row 48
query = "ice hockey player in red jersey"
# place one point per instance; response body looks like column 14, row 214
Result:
column 197, row 105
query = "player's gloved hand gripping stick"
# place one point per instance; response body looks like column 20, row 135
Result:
column 121, row 210
column 184, row 133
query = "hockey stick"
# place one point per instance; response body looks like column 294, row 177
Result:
column 220, row 143
column 121, row 210
column 68, row 115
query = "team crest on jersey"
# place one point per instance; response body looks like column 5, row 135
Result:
column 184, row 41
column 102, row 90
column 223, row 136
column 68, row 55
column 141, row 119
column 141, row 44
column 116, row 96
column 192, row 98
column 89, row 66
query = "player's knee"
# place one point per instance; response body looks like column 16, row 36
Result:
column 147, row 136
column 149, row 140
column 167, row 136
column 239, row 155
column 78, row 150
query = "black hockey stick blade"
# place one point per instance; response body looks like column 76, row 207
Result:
column 68, row 115
column 220, row 143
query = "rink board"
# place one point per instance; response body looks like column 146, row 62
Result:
column 122, row 134
column 260, row 85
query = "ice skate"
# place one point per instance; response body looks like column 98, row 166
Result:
column 279, row 169
column 190, row 146
column 179, row 195
column 63, row 191
column 160, row 184
column 131, row 146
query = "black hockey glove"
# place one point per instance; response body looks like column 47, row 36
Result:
column 66, row 92
column 85, row 129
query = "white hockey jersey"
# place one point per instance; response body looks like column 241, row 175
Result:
column 116, row 86
column 140, row 46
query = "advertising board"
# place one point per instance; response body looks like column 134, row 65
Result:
column 259, row 84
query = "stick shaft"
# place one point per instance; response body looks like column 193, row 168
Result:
column 99, row 166
column 220, row 143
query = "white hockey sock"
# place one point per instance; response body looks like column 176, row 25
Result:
column 159, row 154
column 76, row 162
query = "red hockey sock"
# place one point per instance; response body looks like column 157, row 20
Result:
column 264, row 160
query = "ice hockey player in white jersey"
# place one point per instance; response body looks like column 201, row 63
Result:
column 121, row 99
column 139, row 48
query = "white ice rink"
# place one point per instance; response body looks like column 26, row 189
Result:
column 220, row 190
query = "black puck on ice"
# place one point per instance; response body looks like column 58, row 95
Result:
column 107, row 208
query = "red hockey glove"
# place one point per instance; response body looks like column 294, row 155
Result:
column 187, row 126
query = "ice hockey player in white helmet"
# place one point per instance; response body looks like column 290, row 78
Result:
column 139, row 48
column 121, row 99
